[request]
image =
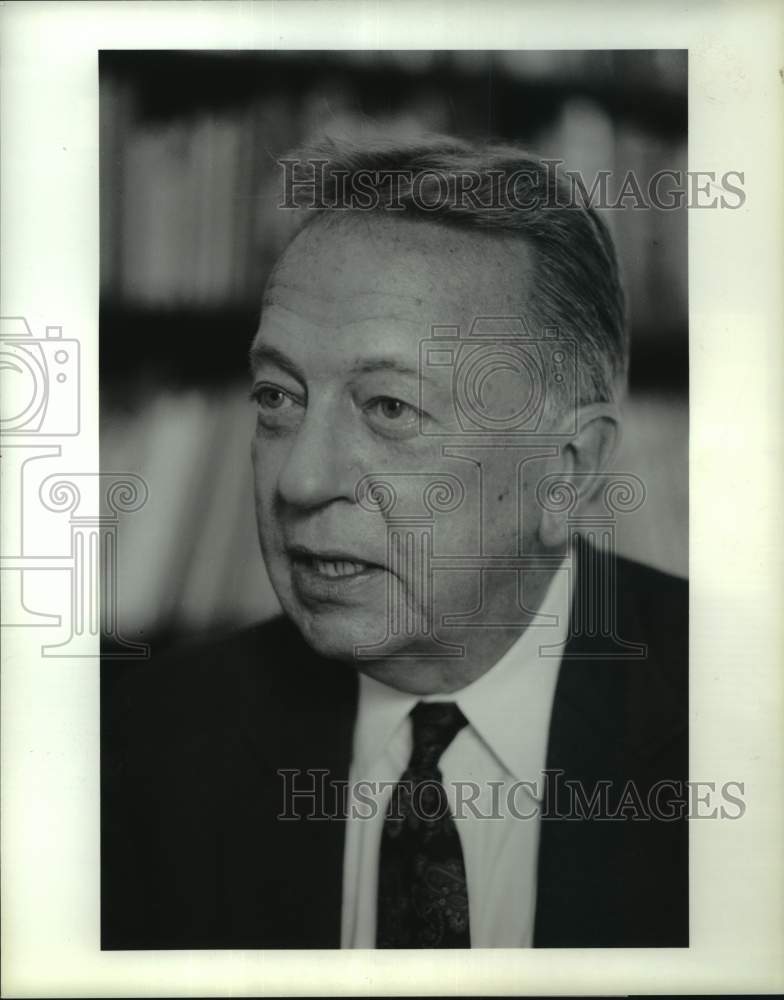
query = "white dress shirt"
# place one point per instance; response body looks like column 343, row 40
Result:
column 504, row 744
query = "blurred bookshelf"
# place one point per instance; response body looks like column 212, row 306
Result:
column 190, row 183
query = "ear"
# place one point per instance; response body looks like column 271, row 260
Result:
column 580, row 462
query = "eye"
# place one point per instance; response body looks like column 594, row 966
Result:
column 393, row 415
column 270, row 397
column 276, row 406
column 392, row 409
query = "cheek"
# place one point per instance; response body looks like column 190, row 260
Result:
column 530, row 513
column 265, row 473
column 267, row 457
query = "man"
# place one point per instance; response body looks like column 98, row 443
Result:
column 469, row 727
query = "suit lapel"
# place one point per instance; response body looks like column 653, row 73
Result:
column 310, row 850
column 606, row 725
column 283, row 886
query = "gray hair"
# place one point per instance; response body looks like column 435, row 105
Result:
column 456, row 183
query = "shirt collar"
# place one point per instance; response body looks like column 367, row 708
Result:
column 508, row 707
column 382, row 710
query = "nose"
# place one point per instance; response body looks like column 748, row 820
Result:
column 318, row 468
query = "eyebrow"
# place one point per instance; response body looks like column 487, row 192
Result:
column 383, row 365
column 261, row 354
column 265, row 354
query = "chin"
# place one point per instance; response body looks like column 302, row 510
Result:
column 332, row 634
column 336, row 633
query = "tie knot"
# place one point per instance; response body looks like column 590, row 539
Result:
column 436, row 723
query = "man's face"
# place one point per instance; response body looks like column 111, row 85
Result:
column 336, row 384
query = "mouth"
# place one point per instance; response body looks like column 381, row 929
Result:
column 329, row 573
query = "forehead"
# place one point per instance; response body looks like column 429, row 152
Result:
column 373, row 281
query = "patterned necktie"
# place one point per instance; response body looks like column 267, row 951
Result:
column 422, row 893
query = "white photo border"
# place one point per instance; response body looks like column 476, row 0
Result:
column 50, row 717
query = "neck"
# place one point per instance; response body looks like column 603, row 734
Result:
column 469, row 652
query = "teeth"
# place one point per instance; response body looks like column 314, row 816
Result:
column 340, row 568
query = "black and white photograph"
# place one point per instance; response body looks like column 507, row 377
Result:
column 390, row 444
column 415, row 322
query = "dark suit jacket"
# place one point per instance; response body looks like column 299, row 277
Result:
column 193, row 855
